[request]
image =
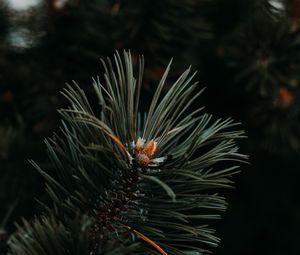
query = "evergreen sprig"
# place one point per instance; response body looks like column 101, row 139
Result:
column 147, row 178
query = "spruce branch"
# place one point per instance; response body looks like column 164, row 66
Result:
column 140, row 178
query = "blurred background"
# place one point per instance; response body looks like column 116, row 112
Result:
column 247, row 54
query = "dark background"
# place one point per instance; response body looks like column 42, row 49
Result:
column 247, row 54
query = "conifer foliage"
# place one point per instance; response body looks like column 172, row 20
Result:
column 127, row 182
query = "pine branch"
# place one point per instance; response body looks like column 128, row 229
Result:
column 141, row 178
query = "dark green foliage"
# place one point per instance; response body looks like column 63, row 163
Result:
column 63, row 41
column 264, row 55
column 277, row 123
column 97, row 169
column 46, row 235
column 67, row 45
column 165, row 35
